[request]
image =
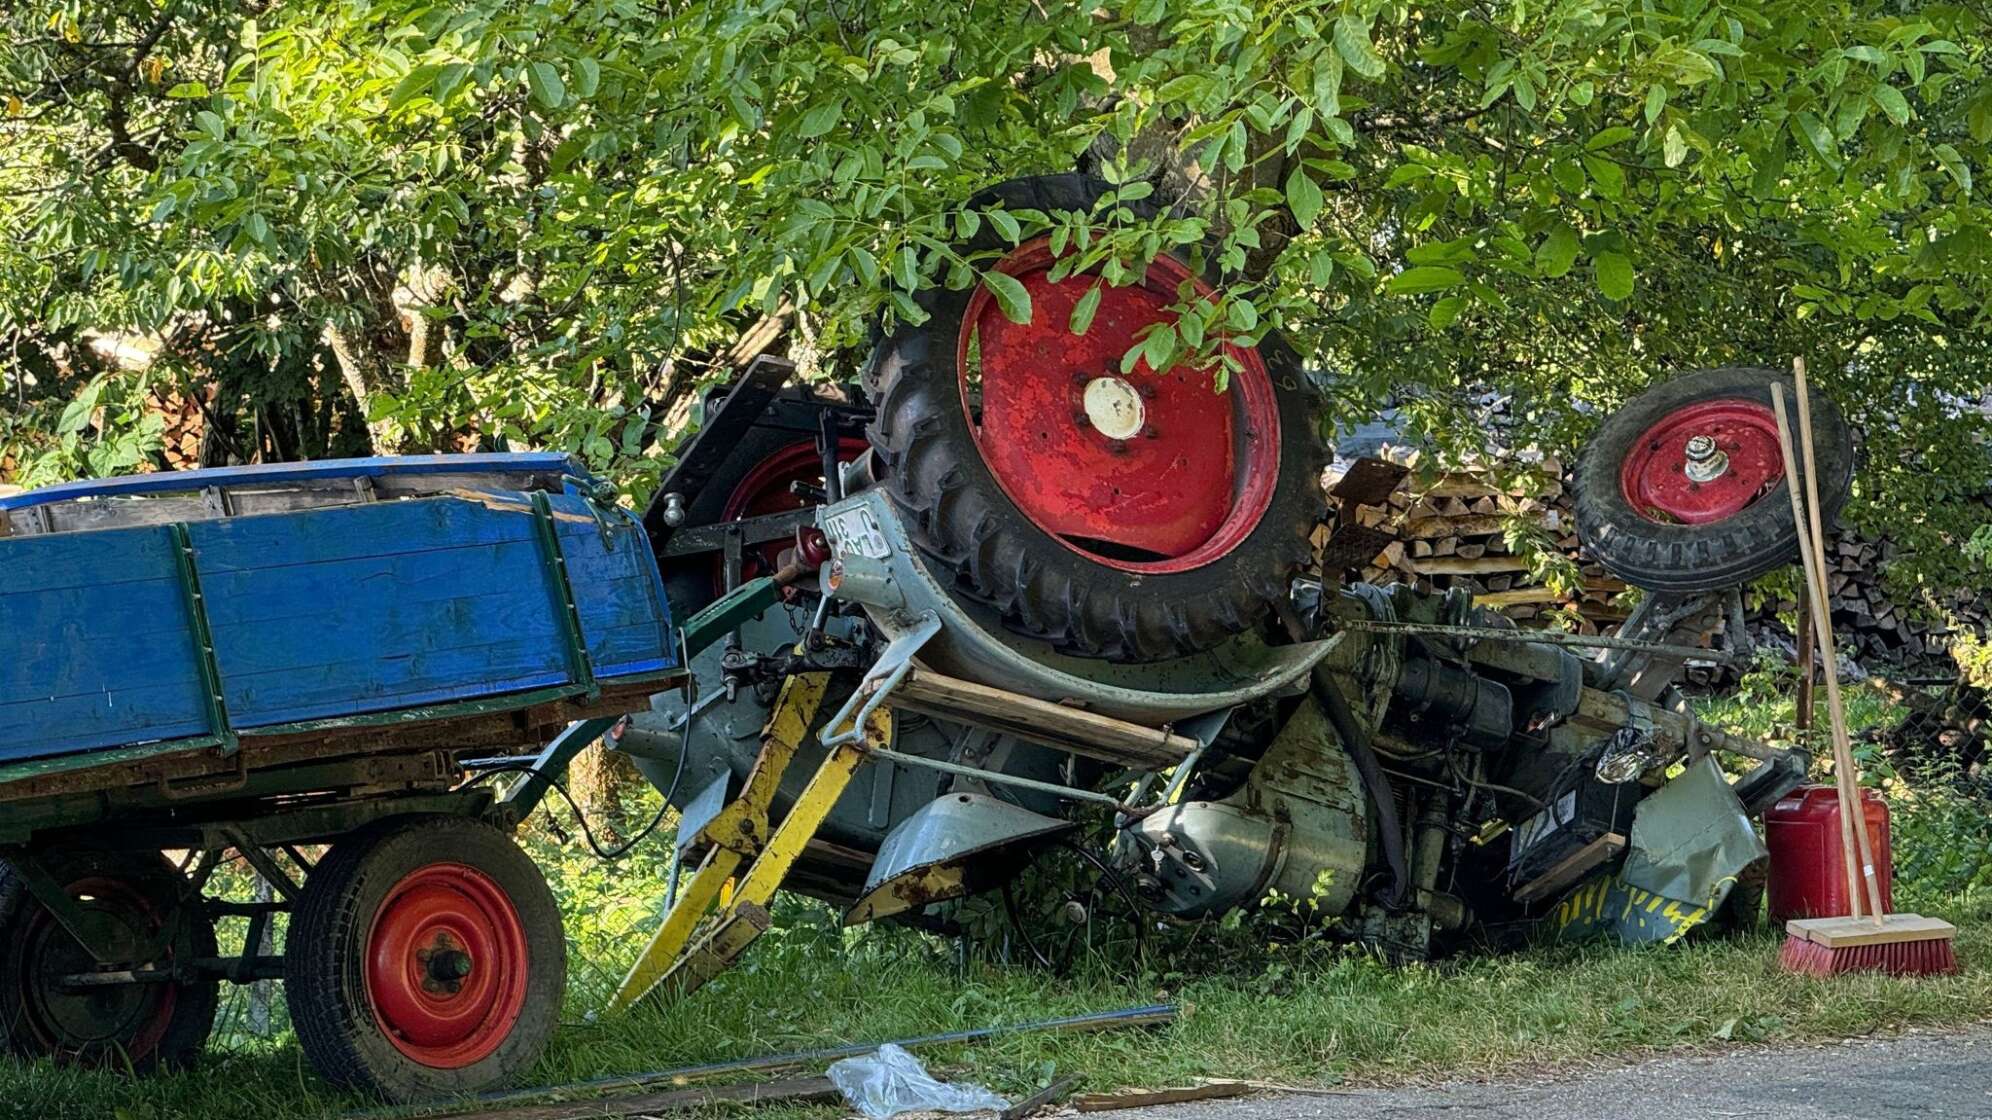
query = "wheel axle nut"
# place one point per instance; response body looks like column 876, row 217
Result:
column 1706, row 461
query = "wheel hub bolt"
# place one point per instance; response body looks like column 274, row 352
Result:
column 444, row 967
column 1706, row 461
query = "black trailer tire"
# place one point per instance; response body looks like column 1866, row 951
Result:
column 137, row 899
column 962, row 513
column 1746, row 536
column 426, row 958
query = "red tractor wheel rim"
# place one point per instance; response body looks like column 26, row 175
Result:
column 765, row 490
column 1145, row 471
column 446, row 965
column 1703, row 463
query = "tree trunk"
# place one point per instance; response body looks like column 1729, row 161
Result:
column 364, row 375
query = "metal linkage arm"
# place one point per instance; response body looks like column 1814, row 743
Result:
column 740, row 832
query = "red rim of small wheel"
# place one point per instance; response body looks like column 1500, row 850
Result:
column 765, row 490
column 69, row 1021
column 1654, row 476
column 446, row 965
column 1147, row 471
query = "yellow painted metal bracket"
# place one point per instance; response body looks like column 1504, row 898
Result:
column 673, row 963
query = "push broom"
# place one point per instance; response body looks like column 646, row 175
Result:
column 1900, row 944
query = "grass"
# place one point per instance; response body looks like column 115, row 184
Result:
column 1319, row 1016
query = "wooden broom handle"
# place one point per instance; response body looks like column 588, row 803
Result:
column 1859, row 807
column 1815, row 603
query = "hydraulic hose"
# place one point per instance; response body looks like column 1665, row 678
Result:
column 1357, row 741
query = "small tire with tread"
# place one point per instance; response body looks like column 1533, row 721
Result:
column 426, row 958
column 1643, row 515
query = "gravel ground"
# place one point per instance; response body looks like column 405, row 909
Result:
column 1923, row 1075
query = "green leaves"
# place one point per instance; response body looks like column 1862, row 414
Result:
column 1084, row 310
column 1606, row 175
column 1424, row 278
column 1613, row 273
column 587, row 77
column 1673, row 147
column 819, row 119
column 1954, row 165
column 1557, row 252
column 548, row 90
column 1352, row 42
column 1813, row 131
column 1011, row 297
column 1303, row 197
column 1892, row 103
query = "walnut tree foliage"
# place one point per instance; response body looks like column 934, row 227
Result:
column 530, row 222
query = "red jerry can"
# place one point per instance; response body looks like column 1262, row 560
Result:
column 1808, row 879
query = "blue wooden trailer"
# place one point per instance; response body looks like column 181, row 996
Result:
column 267, row 660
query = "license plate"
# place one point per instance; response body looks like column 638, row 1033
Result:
column 855, row 532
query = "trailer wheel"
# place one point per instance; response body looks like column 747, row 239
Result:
column 1133, row 515
column 426, row 957
column 1683, row 489
column 137, row 902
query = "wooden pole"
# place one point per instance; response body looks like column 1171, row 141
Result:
column 1816, row 605
column 1803, row 719
column 1855, row 806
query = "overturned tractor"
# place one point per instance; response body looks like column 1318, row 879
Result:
column 1020, row 589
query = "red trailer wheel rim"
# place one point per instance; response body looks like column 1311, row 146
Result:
column 1145, row 471
column 446, row 965
column 1668, row 481
column 132, row 1019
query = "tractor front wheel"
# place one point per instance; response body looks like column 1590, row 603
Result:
column 426, row 958
column 1683, row 489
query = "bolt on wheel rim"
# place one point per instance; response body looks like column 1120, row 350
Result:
column 1704, row 463
column 1139, row 469
column 446, row 965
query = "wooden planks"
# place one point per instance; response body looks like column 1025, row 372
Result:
column 1081, row 732
column 1893, row 929
column 1572, row 867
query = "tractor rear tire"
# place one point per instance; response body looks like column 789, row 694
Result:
column 996, row 548
column 426, row 958
column 136, row 899
column 1650, row 524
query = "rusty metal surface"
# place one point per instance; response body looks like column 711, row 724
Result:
column 1368, row 482
column 1352, row 546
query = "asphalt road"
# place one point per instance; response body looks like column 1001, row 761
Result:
column 1921, row 1075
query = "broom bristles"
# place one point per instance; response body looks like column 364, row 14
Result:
column 1930, row 957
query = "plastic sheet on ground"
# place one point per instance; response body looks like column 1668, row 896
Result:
column 892, row 1083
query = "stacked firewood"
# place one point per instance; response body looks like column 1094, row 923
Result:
column 184, row 427
column 1485, row 531
column 1871, row 624
column 1945, row 732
